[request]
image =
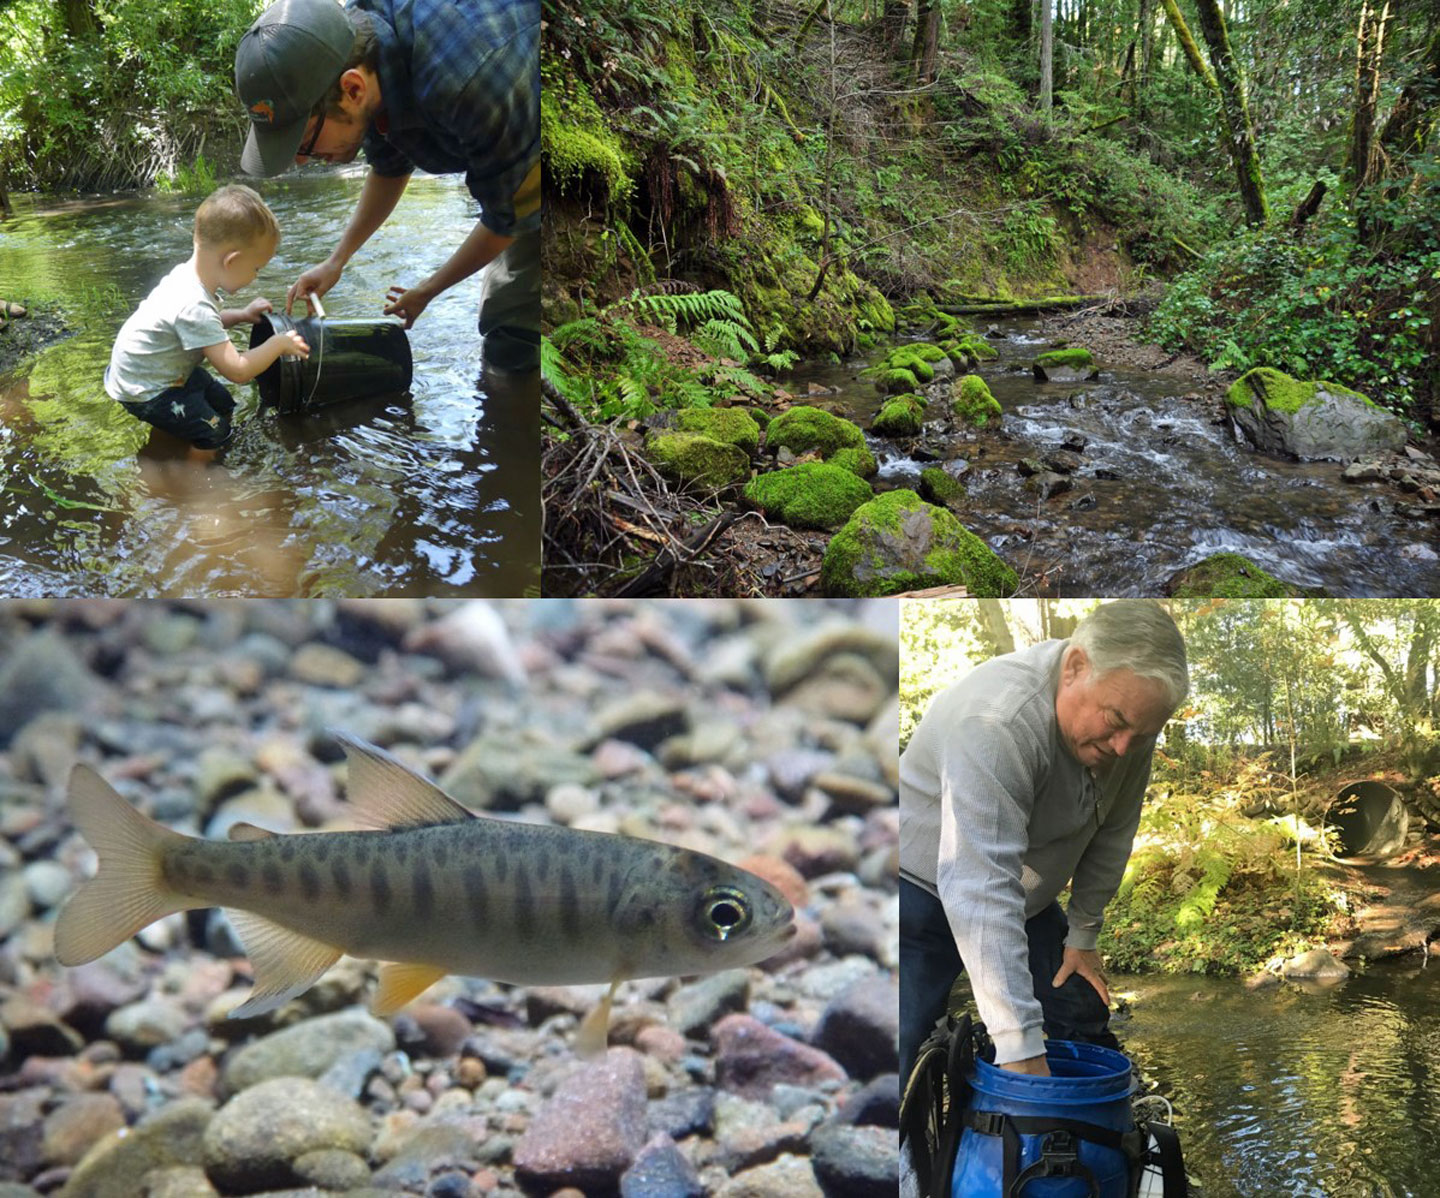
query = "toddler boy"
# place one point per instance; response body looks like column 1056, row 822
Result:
column 155, row 369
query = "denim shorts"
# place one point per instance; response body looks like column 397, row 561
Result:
column 198, row 412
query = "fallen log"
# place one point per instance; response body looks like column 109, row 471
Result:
column 1029, row 307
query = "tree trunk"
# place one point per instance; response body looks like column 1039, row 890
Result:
column 927, row 41
column 893, row 17
column 1145, row 62
column 1231, row 86
column 1414, row 115
column 1047, row 56
column 1364, row 160
column 993, row 629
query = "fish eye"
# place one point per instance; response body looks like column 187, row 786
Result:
column 724, row 912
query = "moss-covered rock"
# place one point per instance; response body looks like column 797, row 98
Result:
column 734, row 426
column 940, row 487
column 1309, row 420
column 898, row 542
column 860, row 462
column 1228, row 576
column 802, row 429
column 1075, row 357
column 978, row 348
column 695, row 458
column 1064, row 366
column 574, row 138
column 810, row 495
column 972, row 402
column 893, row 380
column 900, row 417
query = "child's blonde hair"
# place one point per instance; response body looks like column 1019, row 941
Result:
column 232, row 216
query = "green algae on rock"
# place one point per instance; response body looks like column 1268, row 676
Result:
column 972, row 402
column 1228, row 576
column 689, row 457
column 898, row 542
column 810, row 495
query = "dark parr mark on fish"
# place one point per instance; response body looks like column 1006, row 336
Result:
column 237, row 874
column 612, row 896
column 475, row 891
column 273, row 877
column 569, row 905
column 204, row 874
column 379, row 888
column 422, row 891
column 360, row 846
column 524, row 904
column 309, row 881
column 321, row 850
column 542, row 865
column 438, row 851
column 287, row 850
column 340, row 873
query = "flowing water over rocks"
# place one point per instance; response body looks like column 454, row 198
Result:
column 1152, row 481
column 433, row 494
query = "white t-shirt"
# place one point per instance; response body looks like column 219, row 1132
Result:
column 165, row 337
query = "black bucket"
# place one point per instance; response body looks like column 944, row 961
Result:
column 349, row 359
column 1370, row 820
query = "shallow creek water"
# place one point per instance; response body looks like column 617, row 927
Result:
column 434, row 493
column 1330, row 1092
column 1182, row 488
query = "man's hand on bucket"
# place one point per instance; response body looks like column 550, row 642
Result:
column 1086, row 962
column 1032, row 1065
column 316, row 281
column 407, row 304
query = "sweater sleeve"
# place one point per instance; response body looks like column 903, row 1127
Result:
column 990, row 773
column 1102, row 865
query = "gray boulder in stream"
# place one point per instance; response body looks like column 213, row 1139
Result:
column 1310, row 420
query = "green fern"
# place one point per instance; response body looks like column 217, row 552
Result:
column 723, row 338
column 669, row 308
column 1199, row 903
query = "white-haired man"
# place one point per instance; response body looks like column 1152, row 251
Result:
column 1024, row 776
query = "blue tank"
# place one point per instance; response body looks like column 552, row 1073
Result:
column 1088, row 1085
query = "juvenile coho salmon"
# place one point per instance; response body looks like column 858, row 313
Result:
column 438, row 890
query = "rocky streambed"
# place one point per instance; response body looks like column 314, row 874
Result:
column 765, row 734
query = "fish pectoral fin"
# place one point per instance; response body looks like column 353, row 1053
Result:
column 400, row 983
column 244, row 831
column 387, row 793
column 593, row 1036
column 286, row 963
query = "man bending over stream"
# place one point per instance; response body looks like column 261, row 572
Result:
column 448, row 86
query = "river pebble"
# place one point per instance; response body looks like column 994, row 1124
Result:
column 763, row 734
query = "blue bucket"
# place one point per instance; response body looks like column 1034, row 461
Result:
column 1088, row 1084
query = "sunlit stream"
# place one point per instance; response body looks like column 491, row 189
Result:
column 1161, row 485
column 436, row 493
column 1286, row 1092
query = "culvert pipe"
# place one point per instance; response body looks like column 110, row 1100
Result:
column 1370, row 820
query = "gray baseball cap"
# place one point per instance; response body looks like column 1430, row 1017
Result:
column 284, row 64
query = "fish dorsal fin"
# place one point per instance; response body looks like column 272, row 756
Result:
column 286, row 963
column 399, row 983
column 244, row 831
column 389, row 794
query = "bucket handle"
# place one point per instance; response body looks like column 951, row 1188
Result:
column 1059, row 1157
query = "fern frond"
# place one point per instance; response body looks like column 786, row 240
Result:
column 723, row 338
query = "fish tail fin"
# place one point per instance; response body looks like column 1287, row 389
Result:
column 129, row 891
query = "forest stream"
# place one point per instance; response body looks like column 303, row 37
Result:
column 1161, row 485
column 434, row 493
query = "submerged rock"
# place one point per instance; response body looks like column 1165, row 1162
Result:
column 1318, row 964
column 898, row 542
column 1310, row 420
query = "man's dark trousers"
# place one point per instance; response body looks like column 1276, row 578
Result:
column 930, row 963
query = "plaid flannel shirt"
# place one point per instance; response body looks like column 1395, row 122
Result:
column 460, row 85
